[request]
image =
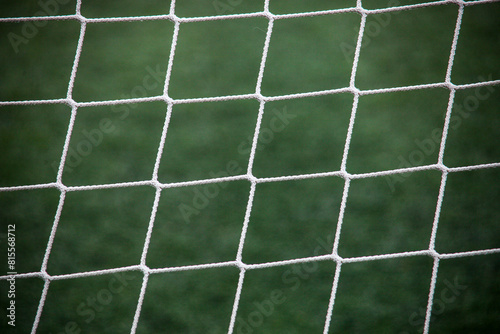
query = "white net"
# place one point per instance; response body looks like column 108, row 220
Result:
column 342, row 173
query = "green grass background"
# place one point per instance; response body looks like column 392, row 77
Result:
column 104, row 229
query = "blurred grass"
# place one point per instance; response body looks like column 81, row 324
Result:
column 238, row 46
column 380, row 221
column 421, row 54
column 33, row 138
column 102, row 229
column 108, row 223
column 288, row 226
column 390, row 127
column 208, row 224
column 385, row 302
column 214, row 146
column 42, row 66
column 307, row 131
column 315, row 63
column 108, row 130
column 198, row 301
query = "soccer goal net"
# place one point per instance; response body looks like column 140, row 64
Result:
column 237, row 166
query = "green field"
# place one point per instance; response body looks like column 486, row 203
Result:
column 202, row 223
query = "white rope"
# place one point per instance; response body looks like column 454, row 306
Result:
column 257, row 95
